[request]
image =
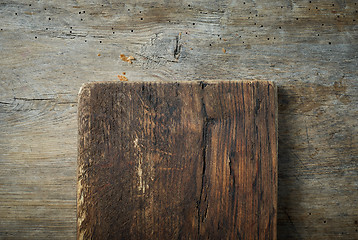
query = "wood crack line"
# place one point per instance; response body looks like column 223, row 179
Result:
column 205, row 143
column 34, row 99
column 177, row 48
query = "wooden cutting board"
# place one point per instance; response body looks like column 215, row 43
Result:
column 177, row 160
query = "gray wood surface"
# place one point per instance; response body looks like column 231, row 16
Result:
column 50, row 48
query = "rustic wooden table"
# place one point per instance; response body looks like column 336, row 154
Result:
column 50, row 48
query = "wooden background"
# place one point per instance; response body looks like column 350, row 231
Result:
column 309, row 48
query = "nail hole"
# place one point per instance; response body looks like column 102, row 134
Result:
column 81, row 19
column 49, row 19
column 309, row 213
column 188, row 5
column 193, row 23
column 16, row 13
column 210, row 44
column 46, row 29
column 84, row 12
column 100, row 41
column 45, row 9
column 279, row 27
column 268, row 38
column 324, row 221
column 85, row 40
column 70, row 31
column 70, row 27
column 329, row 43
column 30, row 5
column 79, row 12
column 141, row 18
column 332, row 5
column 113, row 32
column 261, row 25
column 132, row 30
column 296, row 18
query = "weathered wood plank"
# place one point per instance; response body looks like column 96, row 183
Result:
column 182, row 160
column 309, row 48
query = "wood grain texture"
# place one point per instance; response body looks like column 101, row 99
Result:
column 308, row 48
column 181, row 160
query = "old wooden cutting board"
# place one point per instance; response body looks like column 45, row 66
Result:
column 177, row 160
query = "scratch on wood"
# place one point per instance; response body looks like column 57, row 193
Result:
column 141, row 183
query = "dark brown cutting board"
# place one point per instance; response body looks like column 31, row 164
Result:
column 177, row 160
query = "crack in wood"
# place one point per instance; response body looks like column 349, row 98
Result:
column 53, row 100
column 177, row 48
column 205, row 143
column 34, row 99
